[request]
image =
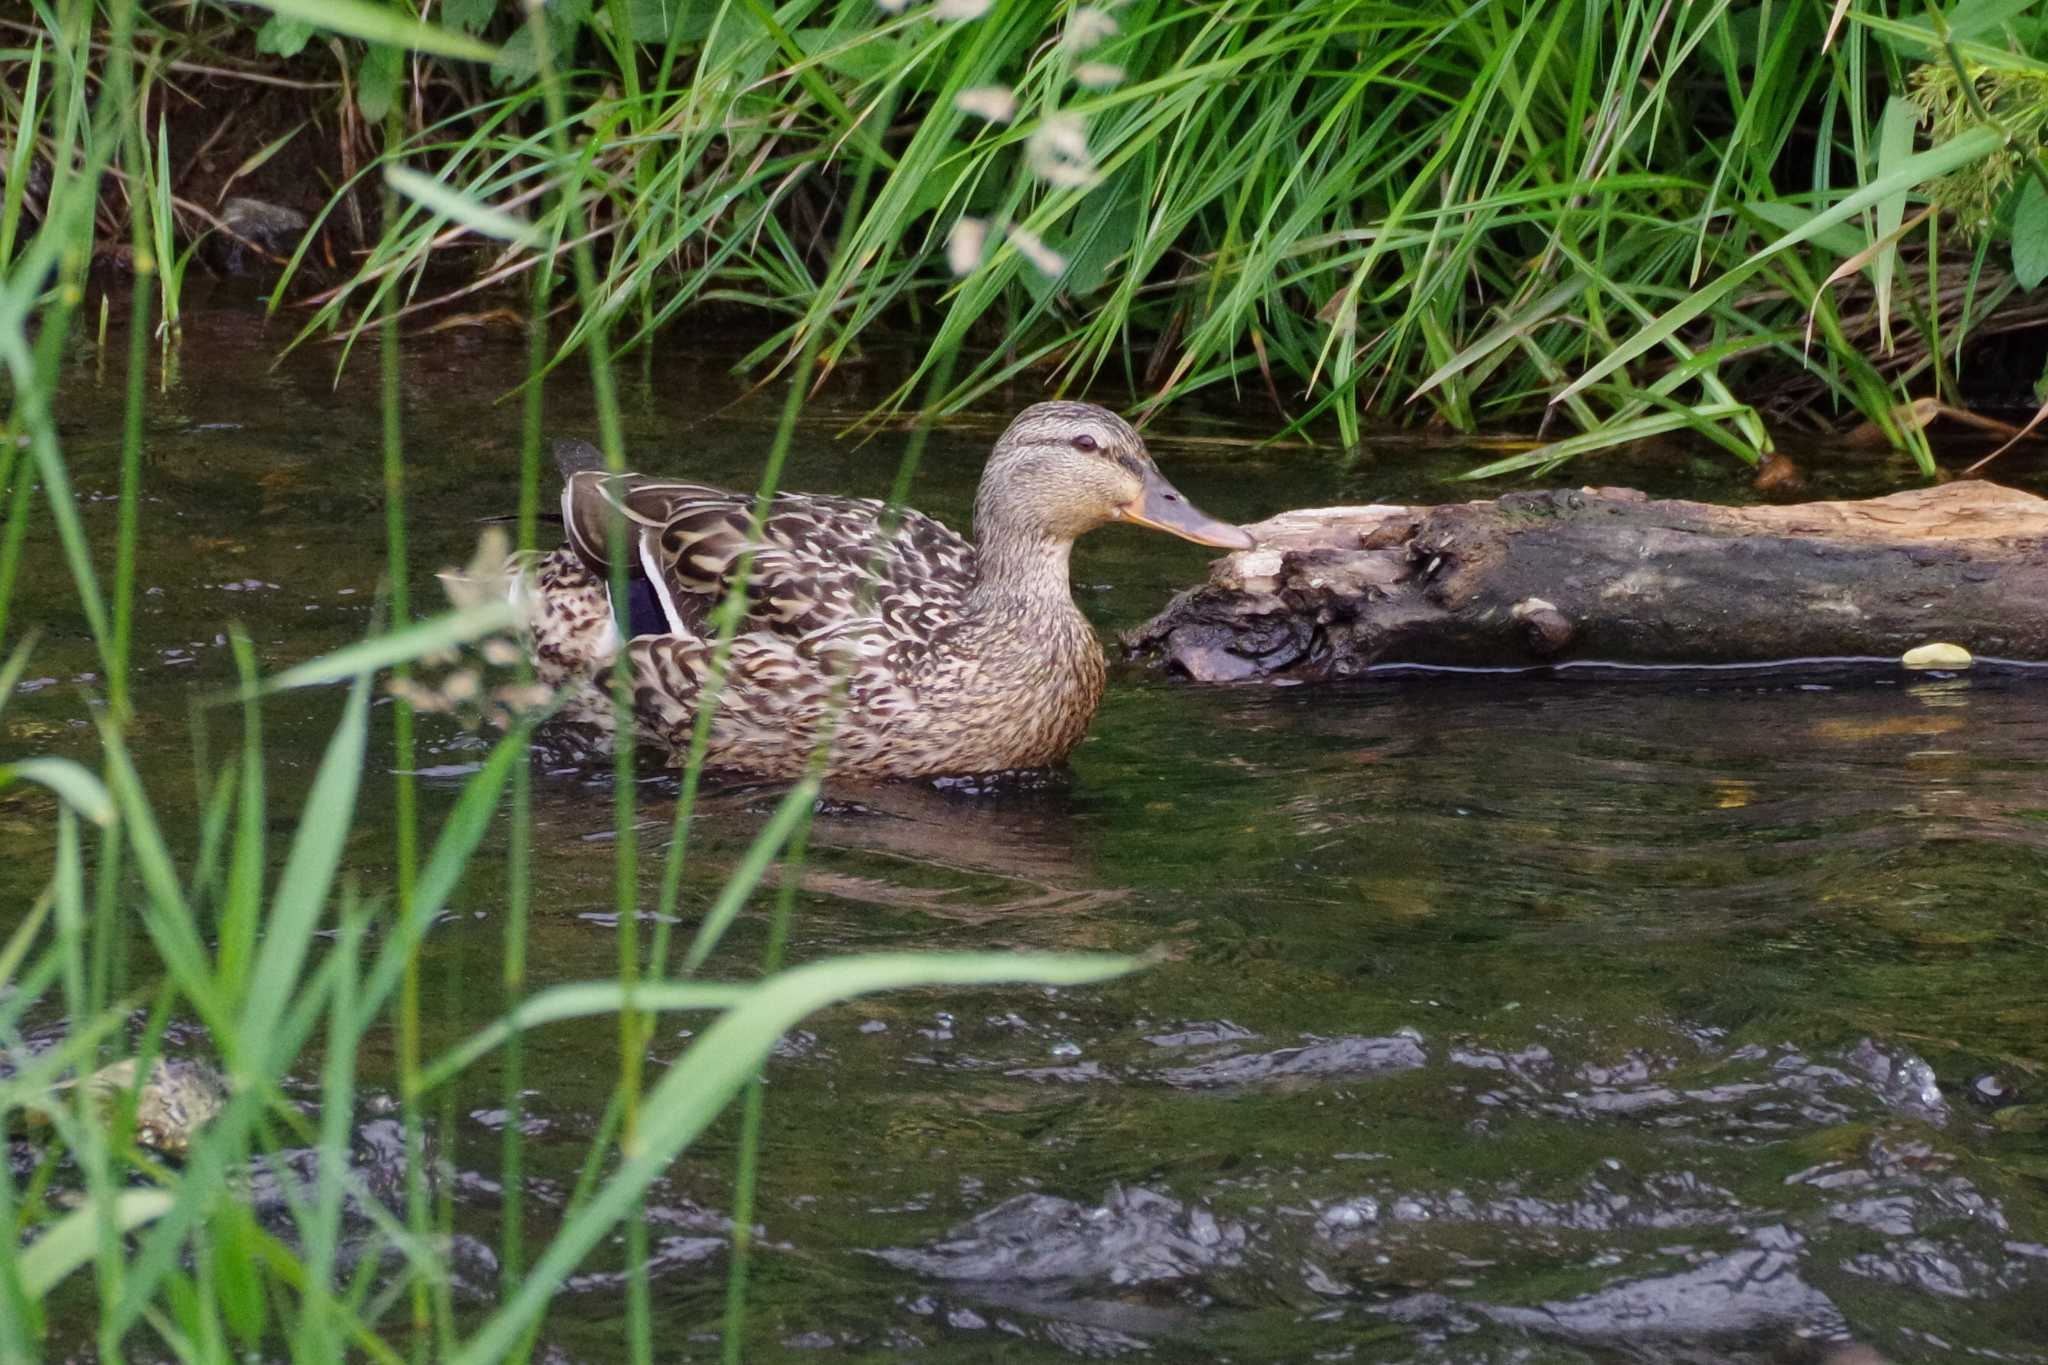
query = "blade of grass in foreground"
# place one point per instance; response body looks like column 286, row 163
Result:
column 432, row 635
column 720, row 1060
column 382, row 24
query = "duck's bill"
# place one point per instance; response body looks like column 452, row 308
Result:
column 1161, row 506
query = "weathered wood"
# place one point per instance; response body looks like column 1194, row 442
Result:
column 1610, row 574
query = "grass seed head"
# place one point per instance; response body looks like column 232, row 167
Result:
column 992, row 102
column 964, row 243
column 1089, row 26
column 1058, row 152
column 1033, row 249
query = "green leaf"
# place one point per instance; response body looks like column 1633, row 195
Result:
column 16, row 665
column 578, row 1001
column 516, row 63
column 863, row 59
column 376, row 23
column 71, row 1241
column 656, row 21
column 237, row 1273
column 378, row 80
column 2030, row 235
column 1919, row 35
column 1894, row 145
column 1602, row 438
column 1971, row 145
column 795, row 808
column 1972, row 18
column 446, row 631
column 469, row 16
column 304, row 884
column 1105, row 228
column 460, row 834
column 1839, row 240
column 22, row 939
column 285, row 37
column 73, row 784
column 438, row 198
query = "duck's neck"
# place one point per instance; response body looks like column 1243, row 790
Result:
column 1018, row 565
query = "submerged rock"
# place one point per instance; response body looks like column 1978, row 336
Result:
column 1135, row 1236
column 256, row 236
column 1730, row 1296
column 1331, row 1059
column 1993, row 1091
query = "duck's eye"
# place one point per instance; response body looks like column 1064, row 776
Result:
column 1084, row 442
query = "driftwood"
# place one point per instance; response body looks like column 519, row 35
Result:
column 1608, row 574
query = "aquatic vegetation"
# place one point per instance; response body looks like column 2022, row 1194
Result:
column 1609, row 218
column 271, row 900
column 288, row 960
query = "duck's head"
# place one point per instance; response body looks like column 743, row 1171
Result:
column 1063, row 469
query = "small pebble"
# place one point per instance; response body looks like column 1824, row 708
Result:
column 1993, row 1091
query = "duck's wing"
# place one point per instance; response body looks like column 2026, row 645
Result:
column 817, row 564
column 593, row 499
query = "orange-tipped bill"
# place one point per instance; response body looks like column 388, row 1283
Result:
column 1160, row 506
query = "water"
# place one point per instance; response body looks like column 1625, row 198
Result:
column 1532, row 1018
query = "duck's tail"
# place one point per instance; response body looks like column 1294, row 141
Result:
column 574, row 455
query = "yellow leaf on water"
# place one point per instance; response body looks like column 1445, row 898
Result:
column 1937, row 656
column 1887, row 726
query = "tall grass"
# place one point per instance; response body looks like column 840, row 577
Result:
column 284, row 960
column 1606, row 218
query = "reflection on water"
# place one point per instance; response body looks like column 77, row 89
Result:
column 1689, row 1017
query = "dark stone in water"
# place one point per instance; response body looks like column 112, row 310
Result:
column 1993, row 1091
column 257, row 237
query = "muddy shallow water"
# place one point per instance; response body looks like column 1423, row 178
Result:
column 1689, row 1017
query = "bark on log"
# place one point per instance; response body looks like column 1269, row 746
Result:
column 1609, row 574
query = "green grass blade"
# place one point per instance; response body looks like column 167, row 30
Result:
column 78, row 788
column 71, row 1241
column 793, row 810
column 450, row 630
column 577, row 1001
column 693, row 1091
column 305, row 884
column 1971, row 145
column 381, row 24
column 458, row 207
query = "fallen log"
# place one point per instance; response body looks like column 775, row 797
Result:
column 1610, row 574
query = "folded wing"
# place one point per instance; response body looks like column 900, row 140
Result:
column 815, row 565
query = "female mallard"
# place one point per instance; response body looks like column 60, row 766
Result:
column 919, row 654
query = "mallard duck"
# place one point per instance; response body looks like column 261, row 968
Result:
column 921, row 654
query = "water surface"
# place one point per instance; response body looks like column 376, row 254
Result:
column 1493, row 1018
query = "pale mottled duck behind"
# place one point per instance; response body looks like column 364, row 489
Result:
column 917, row 653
